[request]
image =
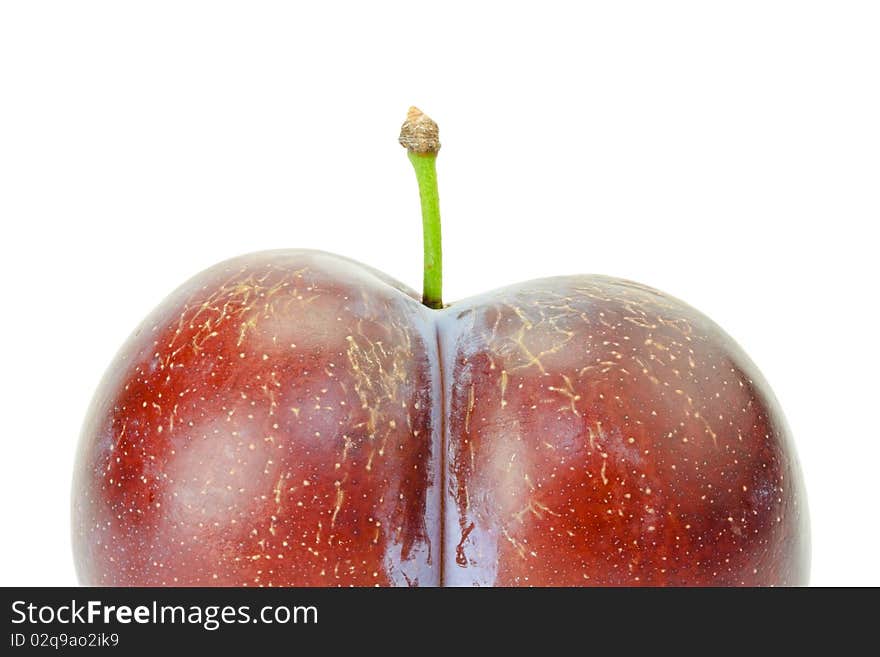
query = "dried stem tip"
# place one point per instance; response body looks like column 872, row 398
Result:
column 419, row 134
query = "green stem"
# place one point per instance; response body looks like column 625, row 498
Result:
column 426, row 175
column 420, row 137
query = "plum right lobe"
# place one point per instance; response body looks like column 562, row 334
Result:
column 601, row 433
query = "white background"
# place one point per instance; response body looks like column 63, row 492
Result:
column 728, row 153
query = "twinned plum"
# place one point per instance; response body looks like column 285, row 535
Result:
column 294, row 418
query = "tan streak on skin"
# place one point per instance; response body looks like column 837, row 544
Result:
column 373, row 384
column 503, row 384
column 593, row 435
column 270, row 394
column 526, row 322
column 277, row 491
column 510, row 539
column 347, row 443
column 680, row 324
column 568, row 391
column 527, row 325
column 537, row 509
column 238, row 302
column 640, row 321
column 698, row 415
column 249, row 324
column 532, row 359
column 470, row 409
column 709, row 429
column 119, row 439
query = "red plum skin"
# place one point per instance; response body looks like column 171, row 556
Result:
column 294, row 418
